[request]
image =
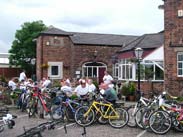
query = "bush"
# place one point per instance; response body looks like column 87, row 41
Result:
column 128, row 89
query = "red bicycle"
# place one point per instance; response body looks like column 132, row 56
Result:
column 38, row 103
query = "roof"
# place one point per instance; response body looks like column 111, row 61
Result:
column 92, row 38
column 146, row 41
column 101, row 39
column 55, row 31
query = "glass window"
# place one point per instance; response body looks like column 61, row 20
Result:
column 180, row 64
column 90, row 69
column 54, row 70
column 125, row 69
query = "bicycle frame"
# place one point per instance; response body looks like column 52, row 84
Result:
column 68, row 103
column 40, row 97
column 104, row 115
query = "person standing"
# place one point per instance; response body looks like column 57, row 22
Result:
column 107, row 79
column 22, row 76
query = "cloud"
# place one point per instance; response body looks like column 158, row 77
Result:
column 97, row 16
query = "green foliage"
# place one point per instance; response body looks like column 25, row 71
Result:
column 56, row 83
column 96, row 84
column 2, row 79
column 128, row 89
column 24, row 46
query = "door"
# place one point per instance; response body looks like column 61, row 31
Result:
column 101, row 74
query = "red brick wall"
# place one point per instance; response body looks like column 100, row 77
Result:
column 8, row 73
column 173, row 44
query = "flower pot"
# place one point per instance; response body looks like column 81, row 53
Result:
column 131, row 98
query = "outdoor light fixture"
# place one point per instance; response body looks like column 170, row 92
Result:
column 33, row 61
column 138, row 55
column 95, row 54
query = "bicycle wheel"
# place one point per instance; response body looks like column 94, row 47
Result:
column 32, row 107
column 138, row 117
column 1, row 128
column 56, row 112
column 69, row 114
column 160, row 122
column 84, row 121
column 131, row 122
column 145, row 118
column 121, row 121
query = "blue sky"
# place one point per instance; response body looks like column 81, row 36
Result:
column 126, row 17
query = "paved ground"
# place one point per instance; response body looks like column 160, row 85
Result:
column 73, row 130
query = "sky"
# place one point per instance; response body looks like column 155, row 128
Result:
column 125, row 17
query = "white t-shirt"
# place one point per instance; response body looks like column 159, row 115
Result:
column 12, row 84
column 66, row 89
column 107, row 79
column 22, row 76
column 92, row 88
column 46, row 83
column 82, row 91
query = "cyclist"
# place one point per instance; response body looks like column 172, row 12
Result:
column 82, row 89
column 110, row 94
column 66, row 88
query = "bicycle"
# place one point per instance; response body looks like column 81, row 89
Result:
column 36, row 131
column 169, row 116
column 117, row 117
column 133, row 109
column 8, row 121
column 64, row 106
column 38, row 103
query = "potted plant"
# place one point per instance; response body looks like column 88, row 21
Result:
column 131, row 88
column 128, row 90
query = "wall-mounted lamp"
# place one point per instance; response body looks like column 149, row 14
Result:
column 47, row 43
column 95, row 54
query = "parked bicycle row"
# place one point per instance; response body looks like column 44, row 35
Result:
column 157, row 114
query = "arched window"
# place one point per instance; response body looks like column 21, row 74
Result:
column 92, row 69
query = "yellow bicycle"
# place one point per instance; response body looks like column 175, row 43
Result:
column 117, row 117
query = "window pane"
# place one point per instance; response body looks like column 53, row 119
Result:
column 179, row 72
column 158, row 73
column 149, row 72
column 179, row 65
column 85, row 71
column 127, row 72
column 89, row 72
column 130, row 67
column 94, row 72
column 54, row 70
column 120, row 71
column 123, row 72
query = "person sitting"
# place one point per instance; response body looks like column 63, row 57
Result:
column 46, row 83
column 82, row 89
column 65, row 87
column 109, row 93
column 12, row 84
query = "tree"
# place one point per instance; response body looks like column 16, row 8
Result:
column 24, row 46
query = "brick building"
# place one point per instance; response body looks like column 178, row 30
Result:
column 173, row 46
column 71, row 54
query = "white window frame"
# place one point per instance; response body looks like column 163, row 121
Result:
column 125, row 64
column 92, row 67
column 60, row 70
column 179, row 62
